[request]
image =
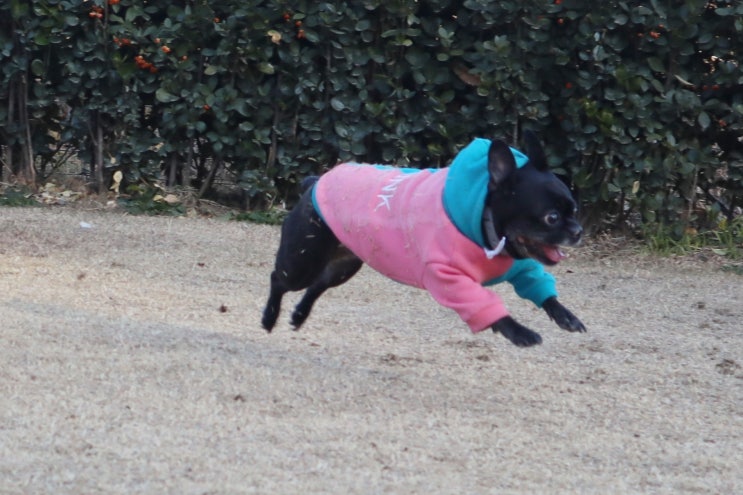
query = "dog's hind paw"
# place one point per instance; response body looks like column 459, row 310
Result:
column 517, row 333
column 298, row 318
column 270, row 315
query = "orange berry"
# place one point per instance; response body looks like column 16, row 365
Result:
column 568, row 85
column 153, row 69
column 166, row 49
column 157, row 41
column 561, row 21
column 184, row 58
column 298, row 23
column 206, row 108
column 300, row 34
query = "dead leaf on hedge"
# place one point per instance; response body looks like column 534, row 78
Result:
column 118, row 176
column 171, row 199
column 465, row 75
column 275, row 36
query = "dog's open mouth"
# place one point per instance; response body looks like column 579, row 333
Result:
column 553, row 253
column 545, row 253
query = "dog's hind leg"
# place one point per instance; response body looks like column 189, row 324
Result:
column 340, row 268
column 273, row 306
column 306, row 249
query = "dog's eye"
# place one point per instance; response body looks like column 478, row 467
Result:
column 552, row 218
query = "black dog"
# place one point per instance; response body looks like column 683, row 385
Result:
column 494, row 215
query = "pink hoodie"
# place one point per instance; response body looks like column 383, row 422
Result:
column 394, row 220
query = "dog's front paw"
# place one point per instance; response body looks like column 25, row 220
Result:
column 517, row 333
column 562, row 316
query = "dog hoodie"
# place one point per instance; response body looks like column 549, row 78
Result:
column 423, row 228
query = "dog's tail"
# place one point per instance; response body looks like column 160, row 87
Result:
column 308, row 182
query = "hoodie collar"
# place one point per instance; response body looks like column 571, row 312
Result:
column 466, row 189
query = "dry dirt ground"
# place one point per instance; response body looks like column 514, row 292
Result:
column 133, row 362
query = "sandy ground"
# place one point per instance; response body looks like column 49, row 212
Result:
column 133, row 362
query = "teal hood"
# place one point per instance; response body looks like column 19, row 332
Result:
column 467, row 187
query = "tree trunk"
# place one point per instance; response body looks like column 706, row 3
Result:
column 28, row 170
column 20, row 165
column 172, row 170
column 210, row 178
column 99, row 158
column 11, row 113
column 186, row 173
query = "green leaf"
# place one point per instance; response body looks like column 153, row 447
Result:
column 164, row 96
column 264, row 67
column 704, row 120
column 341, row 131
column 41, row 39
column 725, row 11
column 37, row 67
column 656, row 64
column 337, row 104
column 612, row 94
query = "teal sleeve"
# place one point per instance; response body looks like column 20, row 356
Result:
column 530, row 281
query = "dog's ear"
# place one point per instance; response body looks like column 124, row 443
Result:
column 535, row 152
column 501, row 163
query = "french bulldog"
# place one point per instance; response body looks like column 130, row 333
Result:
column 494, row 215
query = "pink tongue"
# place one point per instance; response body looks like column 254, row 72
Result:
column 553, row 254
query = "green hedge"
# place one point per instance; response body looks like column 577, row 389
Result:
column 639, row 103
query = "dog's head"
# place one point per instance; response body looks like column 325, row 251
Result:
column 529, row 206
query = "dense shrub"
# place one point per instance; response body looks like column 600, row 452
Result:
column 639, row 103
